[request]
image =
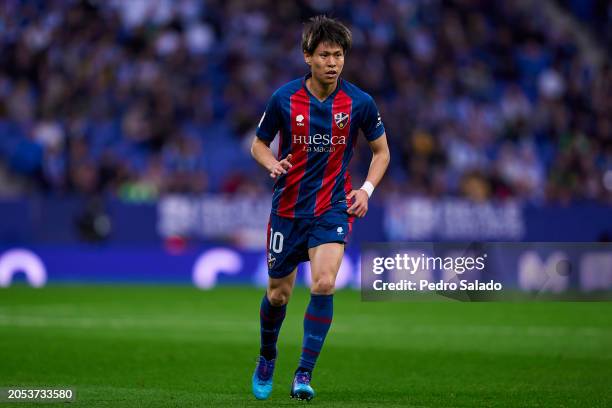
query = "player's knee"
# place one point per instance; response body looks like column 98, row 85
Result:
column 324, row 285
column 278, row 297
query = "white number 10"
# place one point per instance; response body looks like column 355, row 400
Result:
column 276, row 241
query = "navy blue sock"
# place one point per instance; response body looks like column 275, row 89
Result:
column 317, row 321
column 270, row 318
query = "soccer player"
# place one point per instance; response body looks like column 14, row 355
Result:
column 318, row 118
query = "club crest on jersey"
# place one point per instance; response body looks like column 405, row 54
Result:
column 271, row 261
column 341, row 119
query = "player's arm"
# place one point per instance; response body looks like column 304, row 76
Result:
column 378, row 166
column 260, row 150
column 266, row 131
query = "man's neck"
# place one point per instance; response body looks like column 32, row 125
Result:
column 319, row 90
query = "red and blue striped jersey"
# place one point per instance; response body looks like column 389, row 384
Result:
column 321, row 137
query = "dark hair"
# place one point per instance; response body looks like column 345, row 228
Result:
column 324, row 29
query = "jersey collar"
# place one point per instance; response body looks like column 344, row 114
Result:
column 330, row 97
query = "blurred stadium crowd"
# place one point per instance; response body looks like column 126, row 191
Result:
column 139, row 98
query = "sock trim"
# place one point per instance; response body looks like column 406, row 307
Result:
column 309, row 351
column 318, row 319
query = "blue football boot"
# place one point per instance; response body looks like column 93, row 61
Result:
column 301, row 389
column 262, row 378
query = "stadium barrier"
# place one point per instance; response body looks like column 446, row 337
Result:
column 517, row 266
column 242, row 220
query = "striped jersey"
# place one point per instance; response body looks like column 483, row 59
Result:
column 321, row 137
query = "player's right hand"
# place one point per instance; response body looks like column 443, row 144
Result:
column 281, row 167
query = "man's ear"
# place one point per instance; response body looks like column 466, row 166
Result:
column 308, row 59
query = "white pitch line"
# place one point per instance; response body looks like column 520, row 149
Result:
column 203, row 323
column 120, row 323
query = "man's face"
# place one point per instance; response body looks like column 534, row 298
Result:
column 326, row 62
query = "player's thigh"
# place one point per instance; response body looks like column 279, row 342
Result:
column 325, row 260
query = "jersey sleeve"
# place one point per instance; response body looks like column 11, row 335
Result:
column 269, row 124
column 371, row 123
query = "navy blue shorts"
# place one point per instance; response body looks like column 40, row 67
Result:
column 290, row 238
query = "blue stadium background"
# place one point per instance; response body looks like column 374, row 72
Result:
column 125, row 128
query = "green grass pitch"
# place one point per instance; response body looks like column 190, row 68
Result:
column 151, row 346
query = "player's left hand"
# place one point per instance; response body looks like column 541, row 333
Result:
column 359, row 198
